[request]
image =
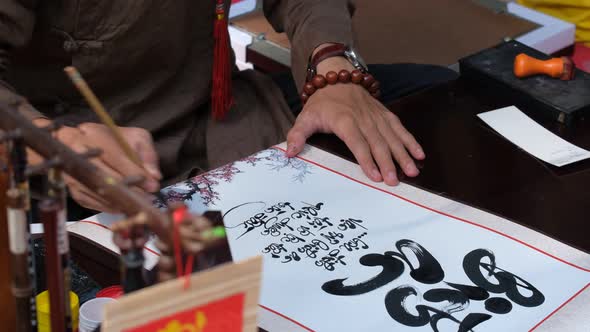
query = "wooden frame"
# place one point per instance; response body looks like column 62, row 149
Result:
column 552, row 35
column 167, row 299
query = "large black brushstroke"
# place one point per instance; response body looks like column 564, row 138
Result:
column 472, row 320
column 392, row 269
column 457, row 300
column 507, row 282
column 440, row 315
column 498, row 305
column 429, row 270
column 472, row 292
column 398, row 310
column 396, row 307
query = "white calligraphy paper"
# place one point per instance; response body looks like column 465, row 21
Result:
column 343, row 255
column 533, row 138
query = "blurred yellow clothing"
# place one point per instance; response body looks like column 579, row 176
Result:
column 574, row 11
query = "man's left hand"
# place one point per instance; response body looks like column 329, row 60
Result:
column 374, row 135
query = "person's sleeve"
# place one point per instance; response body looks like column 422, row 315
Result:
column 17, row 19
column 308, row 24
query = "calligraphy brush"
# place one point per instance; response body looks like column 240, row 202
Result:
column 57, row 191
column 102, row 114
column 22, row 287
column 49, row 209
column 22, row 257
column 105, row 118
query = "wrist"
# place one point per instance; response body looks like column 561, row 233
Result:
column 331, row 57
column 320, row 47
column 331, row 64
column 335, row 64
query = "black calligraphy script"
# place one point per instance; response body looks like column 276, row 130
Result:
column 302, row 232
column 271, row 219
column 494, row 280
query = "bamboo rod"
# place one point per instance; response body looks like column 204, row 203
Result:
column 102, row 114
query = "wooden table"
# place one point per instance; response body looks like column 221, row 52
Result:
column 469, row 162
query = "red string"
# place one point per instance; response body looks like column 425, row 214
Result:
column 178, row 216
column 221, row 95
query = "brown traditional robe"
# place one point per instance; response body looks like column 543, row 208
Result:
column 150, row 63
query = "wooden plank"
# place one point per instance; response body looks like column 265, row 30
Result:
column 430, row 31
column 421, row 31
column 7, row 301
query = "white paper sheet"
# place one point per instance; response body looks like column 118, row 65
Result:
column 251, row 193
column 37, row 229
column 102, row 235
column 530, row 136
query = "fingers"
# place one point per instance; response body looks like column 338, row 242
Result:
column 144, row 145
column 166, row 263
column 166, row 267
column 164, row 248
column 191, row 233
column 114, row 157
column 305, row 126
column 88, row 201
column 376, row 141
column 33, row 158
column 81, row 193
column 373, row 134
column 86, row 198
column 408, row 139
column 348, row 131
column 381, row 153
column 398, row 150
column 393, row 132
column 80, row 147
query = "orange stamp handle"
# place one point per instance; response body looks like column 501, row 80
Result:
column 525, row 66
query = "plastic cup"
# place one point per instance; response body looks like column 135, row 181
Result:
column 92, row 313
column 43, row 312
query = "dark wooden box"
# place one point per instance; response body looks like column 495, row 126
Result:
column 492, row 68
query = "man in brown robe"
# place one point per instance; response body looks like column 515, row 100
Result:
column 150, row 63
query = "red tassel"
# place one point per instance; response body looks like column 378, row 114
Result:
column 221, row 97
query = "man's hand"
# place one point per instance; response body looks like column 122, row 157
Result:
column 112, row 161
column 372, row 133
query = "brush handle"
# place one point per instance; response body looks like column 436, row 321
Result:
column 118, row 194
column 102, row 114
column 22, row 286
column 49, row 212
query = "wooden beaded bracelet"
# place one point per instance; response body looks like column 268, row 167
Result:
column 344, row 76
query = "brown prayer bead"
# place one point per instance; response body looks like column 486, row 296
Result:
column 344, row 76
column 332, row 77
column 368, row 80
column 319, row 81
column 374, row 87
column 356, row 76
column 308, row 88
column 304, row 97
